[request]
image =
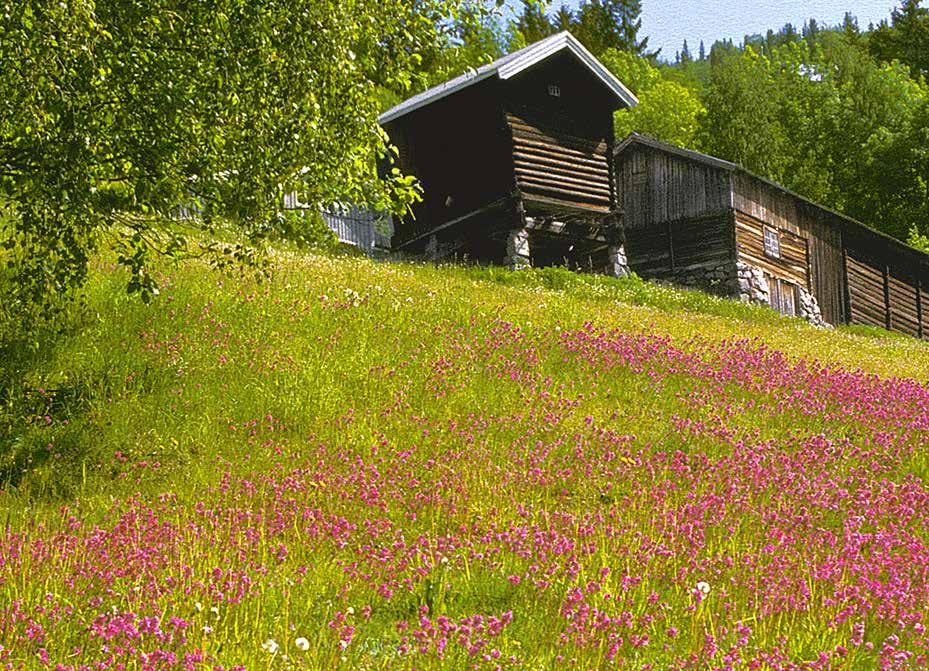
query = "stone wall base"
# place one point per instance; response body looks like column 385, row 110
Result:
column 808, row 308
column 752, row 284
column 617, row 263
column 753, row 288
column 517, row 249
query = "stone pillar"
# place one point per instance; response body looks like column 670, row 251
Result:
column 617, row 264
column 432, row 249
column 808, row 308
column 517, row 249
column 753, row 287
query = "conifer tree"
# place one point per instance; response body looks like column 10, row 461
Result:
column 533, row 22
column 905, row 39
column 563, row 19
column 610, row 24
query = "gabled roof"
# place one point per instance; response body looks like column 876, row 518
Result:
column 713, row 162
column 690, row 155
column 511, row 65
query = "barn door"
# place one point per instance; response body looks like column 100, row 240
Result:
column 783, row 295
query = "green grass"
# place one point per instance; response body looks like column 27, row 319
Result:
column 335, row 360
column 112, row 395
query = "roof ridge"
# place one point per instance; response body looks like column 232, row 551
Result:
column 510, row 65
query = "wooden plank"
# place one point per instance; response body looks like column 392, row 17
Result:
column 518, row 124
column 532, row 184
column 532, row 150
column 567, row 204
column 919, row 307
column 457, row 220
column 562, row 164
column 526, row 141
column 540, row 176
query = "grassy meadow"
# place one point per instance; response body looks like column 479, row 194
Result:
column 367, row 465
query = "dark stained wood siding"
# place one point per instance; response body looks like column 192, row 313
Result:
column 827, row 277
column 656, row 187
column 561, row 145
column 676, row 251
column 792, row 263
column 503, row 138
column 887, row 283
column 458, row 149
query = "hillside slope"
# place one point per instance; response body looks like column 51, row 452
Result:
column 382, row 466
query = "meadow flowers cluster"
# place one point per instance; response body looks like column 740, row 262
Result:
column 486, row 495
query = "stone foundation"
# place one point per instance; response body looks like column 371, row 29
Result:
column 753, row 287
column 517, row 249
column 808, row 308
column 715, row 278
column 617, row 263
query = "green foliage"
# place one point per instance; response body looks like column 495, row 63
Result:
column 113, row 111
column 532, row 23
column 917, row 239
column 826, row 122
column 474, row 38
column 305, row 228
column 667, row 110
column 609, row 24
column 905, row 38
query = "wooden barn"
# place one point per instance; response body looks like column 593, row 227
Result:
column 699, row 221
column 516, row 161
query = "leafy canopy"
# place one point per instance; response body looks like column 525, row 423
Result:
column 113, row 112
column 667, row 109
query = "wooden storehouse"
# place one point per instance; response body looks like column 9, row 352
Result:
column 515, row 160
column 696, row 220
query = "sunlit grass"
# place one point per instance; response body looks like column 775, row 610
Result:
column 412, row 466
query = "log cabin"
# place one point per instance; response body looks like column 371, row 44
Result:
column 516, row 161
column 696, row 220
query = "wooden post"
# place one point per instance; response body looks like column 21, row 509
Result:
column 887, row 315
column 846, row 290
column 670, row 247
column 919, row 305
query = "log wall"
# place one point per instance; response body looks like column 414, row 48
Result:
column 819, row 228
column 553, row 165
column 695, row 252
column 793, row 263
column 657, row 187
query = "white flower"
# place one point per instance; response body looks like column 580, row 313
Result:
column 350, row 610
column 207, row 629
column 703, row 587
column 270, row 645
column 343, row 644
column 302, row 644
column 198, row 606
column 215, row 611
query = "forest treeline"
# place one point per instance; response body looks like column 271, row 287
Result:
column 839, row 114
column 116, row 115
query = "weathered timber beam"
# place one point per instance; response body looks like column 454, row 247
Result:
column 474, row 213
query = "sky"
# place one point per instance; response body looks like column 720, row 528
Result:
column 668, row 23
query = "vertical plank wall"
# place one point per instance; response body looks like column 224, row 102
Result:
column 675, row 213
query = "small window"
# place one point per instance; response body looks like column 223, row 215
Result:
column 772, row 243
column 554, row 90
